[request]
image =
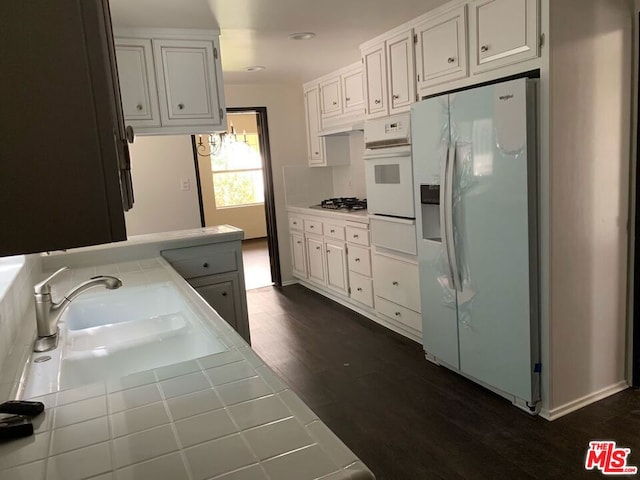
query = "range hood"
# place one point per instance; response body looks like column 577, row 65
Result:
column 343, row 129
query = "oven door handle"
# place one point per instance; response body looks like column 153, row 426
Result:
column 444, row 214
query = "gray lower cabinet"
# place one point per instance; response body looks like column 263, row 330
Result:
column 215, row 271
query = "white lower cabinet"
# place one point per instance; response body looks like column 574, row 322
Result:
column 298, row 257
column 337, row 267
column 316, row 256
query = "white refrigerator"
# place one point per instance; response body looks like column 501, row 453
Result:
column 475, row 175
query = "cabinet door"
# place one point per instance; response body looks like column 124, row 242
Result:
column 221, row 297
column 401, row 72
column 353, row 91
column 337, row 267
column 315, row 144
column 331, row 97
column 187, row 81
column 375, row 72
column 441, row 50
column 502, row 32
column 137, row 82
column 62, row 132
column 298, row 255
column 315, row 253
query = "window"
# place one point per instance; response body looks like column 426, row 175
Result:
column 237, row 172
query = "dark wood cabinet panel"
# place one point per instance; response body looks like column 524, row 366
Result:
column 62, row 147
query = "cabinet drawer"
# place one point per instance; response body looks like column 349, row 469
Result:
column 211, row 264
column 398, row 236
column 295, row 223
column 399, row 313
column 313, row 226
column 221, row 297
column 357, row 235
column 360, row 260
column 361, row 289
column 334, row 231
column 397, row 281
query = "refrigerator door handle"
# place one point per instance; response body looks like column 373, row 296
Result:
column 453, row 261
column 444, row 214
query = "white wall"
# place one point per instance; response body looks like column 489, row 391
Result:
column 287, row 137
column 348, row 180
column 158, row 166
column 590, row 75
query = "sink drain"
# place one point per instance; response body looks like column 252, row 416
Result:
column 44, row 358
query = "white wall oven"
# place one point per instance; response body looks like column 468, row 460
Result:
column 388, row 168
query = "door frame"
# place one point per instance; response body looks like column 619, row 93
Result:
column 634, row 321
column 267, row 178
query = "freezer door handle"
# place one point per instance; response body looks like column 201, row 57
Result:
column 444, row 168
column 453, row 260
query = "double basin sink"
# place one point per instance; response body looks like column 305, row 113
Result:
column 109, row 334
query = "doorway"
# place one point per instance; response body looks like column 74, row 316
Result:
column 235, row 187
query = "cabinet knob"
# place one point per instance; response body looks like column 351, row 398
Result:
column 395, row 283
column 224, row 294
column 298, row 242
column 451, row 60
column 377, row 102
column 181, row 106
column 205, row 265
column 139, row 107
column 317, row 248
column 359, row 289
column 328, row 251
column 396, row 96
column 311, row 226
column 357, row 259
column 334, row 103
column 398, row 314
column 348, row 99
column 484, row 48
column 316, row 153
column 295, row 223
column 129, row 134
column 355, row 235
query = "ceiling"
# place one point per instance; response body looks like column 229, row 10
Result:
column 255, row 32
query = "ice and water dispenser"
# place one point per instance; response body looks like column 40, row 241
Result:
column 430, row 206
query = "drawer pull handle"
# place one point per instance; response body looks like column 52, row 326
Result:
column 355, row 235
column 359, row 289
column 224, row 294
column 311, row 226
column 377, row 101
column 357, row 259
column 398, row 314
column 205, row 265
column 333, row 231
column 395, row 283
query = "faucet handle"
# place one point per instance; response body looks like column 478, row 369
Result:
column 43, row 287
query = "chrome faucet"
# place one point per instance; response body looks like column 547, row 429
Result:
column 48, row 312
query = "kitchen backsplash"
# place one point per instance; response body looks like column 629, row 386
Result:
column 305, row 186
column 348, row 180
column 16, row 298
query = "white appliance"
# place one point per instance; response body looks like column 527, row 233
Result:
column 474, row 159
column 388, row 169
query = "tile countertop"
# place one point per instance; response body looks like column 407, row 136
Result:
column 360, row 216
column 225, row 416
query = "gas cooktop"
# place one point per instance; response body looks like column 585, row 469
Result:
column 343, row 203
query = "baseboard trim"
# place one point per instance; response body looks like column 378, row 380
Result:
column 579, row 403
column 289, row 282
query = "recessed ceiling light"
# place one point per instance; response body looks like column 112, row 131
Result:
column 255, row 68
column 302, row 36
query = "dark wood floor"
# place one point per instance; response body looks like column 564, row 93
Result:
column 410, row 420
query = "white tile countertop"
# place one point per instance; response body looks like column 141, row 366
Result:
column 225, row 416
column 360, row 216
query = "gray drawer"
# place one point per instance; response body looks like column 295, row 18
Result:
column 207, row 263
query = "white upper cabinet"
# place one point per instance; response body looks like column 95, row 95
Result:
column 502, row 32
column 315, row 144
column 137, row 82
column 171, row 80
column 353, row 90
column 441, row 48
column 331, row 97
column 375, row 70
column 186, row 81
column 401, row 72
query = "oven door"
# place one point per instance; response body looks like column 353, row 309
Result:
column 389, row 180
